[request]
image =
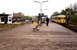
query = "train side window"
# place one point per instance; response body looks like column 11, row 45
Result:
column 59, row 18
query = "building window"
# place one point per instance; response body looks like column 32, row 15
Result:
column 9, row 19
column 2, row 19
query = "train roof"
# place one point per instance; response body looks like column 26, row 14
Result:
column 61, row 16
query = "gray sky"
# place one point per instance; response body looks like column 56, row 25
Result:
column 28, row 7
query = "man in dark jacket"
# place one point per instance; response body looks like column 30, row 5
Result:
column 47, row 21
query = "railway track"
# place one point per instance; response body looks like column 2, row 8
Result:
column 71, row 27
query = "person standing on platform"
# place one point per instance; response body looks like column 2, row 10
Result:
column 47, row 21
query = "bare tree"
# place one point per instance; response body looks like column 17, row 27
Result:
column 75, row 7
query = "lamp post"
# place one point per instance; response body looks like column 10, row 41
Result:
column 41, row 8
column 67, row 18
column 41, row 4
column 43, row 11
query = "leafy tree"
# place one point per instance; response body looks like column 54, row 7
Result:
column 71, row 13
column 55, row 13
column 63, row 12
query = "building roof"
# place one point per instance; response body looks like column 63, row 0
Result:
column 4, row 14
column 17, row 14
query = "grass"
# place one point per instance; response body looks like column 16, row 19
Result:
column 4, row 27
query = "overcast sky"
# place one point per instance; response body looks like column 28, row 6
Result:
column 28, row 7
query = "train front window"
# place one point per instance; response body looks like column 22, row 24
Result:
column 60, row 18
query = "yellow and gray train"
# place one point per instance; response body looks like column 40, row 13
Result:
column 61, row 19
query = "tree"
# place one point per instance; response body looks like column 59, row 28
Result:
column 63, row 12
column 55, row 13
column 75, row 7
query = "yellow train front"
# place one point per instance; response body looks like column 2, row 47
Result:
column 61, row 19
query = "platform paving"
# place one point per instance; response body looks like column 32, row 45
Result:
column 52, row 37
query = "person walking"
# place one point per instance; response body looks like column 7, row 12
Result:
column 35, row 26
column 47, row 21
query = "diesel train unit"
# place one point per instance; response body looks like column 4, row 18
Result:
column 61, row 19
